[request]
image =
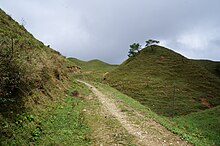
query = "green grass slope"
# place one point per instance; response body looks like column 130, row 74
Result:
column 98, row 65
column 204, row 124
column 26, row 64
column 212, row 66
column 31, row 74
column 150, row 77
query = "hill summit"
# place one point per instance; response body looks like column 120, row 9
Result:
column 166, row 81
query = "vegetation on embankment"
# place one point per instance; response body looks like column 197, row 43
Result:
column 31, row 75
column 152, row 76
column 26, row 64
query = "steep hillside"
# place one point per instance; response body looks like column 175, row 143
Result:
column 26, row 63
column 212, row 66
column 156, row 73
column 30, row 73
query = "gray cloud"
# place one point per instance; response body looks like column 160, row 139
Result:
column 104, row 29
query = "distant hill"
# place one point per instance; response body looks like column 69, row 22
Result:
column 212, row 66
column 77, row 61
column 92, row 65
column 151, row 76
column 93, row 70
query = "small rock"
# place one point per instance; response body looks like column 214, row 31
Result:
column 84, row 110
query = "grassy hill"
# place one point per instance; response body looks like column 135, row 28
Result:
column 152, row 76
column 92, row 65
column 212, row 66
column 77, row 62
column 93, row 70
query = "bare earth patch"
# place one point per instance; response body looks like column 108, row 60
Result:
column 205, row 102
column 146, row 131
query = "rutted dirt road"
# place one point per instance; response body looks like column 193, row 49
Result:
column 151, row 134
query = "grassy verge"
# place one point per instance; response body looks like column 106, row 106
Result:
column 66, row 125
column 61, row 122
column 204, row 124
column 191, row 128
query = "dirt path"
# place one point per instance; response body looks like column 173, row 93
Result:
column 151, row 134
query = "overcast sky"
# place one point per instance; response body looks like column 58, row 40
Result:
column 104, row 29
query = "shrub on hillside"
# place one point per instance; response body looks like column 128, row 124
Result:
column 14, row 70
column 217, row 69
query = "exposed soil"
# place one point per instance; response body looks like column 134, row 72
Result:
column 205, row 102
column 146, row 131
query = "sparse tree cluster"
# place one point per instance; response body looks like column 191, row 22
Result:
column 151, row 42
column 136, row 47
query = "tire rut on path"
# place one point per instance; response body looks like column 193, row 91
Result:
column 143, row 136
